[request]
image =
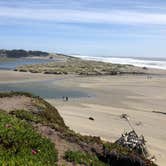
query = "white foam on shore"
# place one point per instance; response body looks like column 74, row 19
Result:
column 157, row 64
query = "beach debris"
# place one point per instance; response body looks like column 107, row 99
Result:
column 134, row 142
column 124, row 116
column 91, row 118
column 127, row 118
column 153, row 159
column 145, row 68
column 131, row 139
column 159, row 112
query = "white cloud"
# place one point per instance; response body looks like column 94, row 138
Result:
column 80, row 16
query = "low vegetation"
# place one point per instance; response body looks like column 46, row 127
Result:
column 71, row 65
column 78, row 157
column 20, row 144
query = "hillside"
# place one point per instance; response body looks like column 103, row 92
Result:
column 33, row 133
column 21, row 53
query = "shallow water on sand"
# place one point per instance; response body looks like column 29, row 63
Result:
column 10, row 64
column 45, row 89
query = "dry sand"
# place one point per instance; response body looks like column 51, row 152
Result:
column 136, row 96
column 112, row 96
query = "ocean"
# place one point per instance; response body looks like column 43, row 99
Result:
column 157, row 63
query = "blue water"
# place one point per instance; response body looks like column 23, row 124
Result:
column 10, row 65
column 45, row 89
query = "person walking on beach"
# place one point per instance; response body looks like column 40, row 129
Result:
column 65, row 98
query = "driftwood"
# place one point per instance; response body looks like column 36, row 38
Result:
column 134, row 142
column 91, row 118
column 131, row 139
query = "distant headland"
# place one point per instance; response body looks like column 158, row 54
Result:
column 21, row 53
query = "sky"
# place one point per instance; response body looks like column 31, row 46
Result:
column 128, row 28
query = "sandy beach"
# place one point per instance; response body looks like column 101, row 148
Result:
column 140, row 97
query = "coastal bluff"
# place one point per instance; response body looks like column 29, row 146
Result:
column 33, row 132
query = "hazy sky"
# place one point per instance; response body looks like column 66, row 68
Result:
column 87, row 27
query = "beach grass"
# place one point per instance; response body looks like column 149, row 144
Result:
column 81, row 67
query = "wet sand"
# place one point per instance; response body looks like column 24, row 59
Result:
column 9, row 76
column 111, row 96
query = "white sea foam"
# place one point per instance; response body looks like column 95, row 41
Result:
column 140, row 62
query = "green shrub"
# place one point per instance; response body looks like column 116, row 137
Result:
column 20, row 144
column 118, row 148
column 78, row 157
column 26, row 115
